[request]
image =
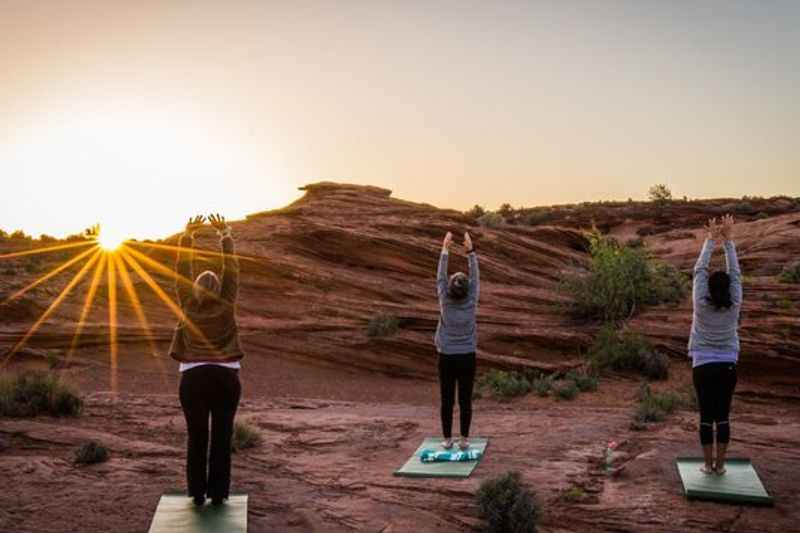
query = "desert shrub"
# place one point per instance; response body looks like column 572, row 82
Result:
column 476, row 212
column 655, row 406
column 585, row 382
column 383, row 325
column 654, row 365
column 565, row 389
column 491, row 220
column 506, row 505
column 91, row 452
column 621, row 279
column 761, row 215
column 785, row 304
column 791, row 273
column 34, row 393
column 659, row 193
column 505, row 211
column 245, row 436
column 542, row 386
column 504, row 385
column 626, row 351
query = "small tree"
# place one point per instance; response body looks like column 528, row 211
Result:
column 505, row 211
column 477, row 211
column 659, row 193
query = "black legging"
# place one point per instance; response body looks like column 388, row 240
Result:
column 456, row 368
column 714, row 383
column 213, row 390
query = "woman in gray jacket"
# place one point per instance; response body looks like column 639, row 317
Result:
column 456, row 339
column 714, row 341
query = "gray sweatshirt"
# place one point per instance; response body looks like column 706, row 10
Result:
column 715, row 336
column 457, row 332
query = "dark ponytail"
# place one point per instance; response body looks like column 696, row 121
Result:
column 458, row 286
column 719, row 290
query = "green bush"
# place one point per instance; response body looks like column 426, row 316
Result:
column 245, row 436
column 621, row 280
column 791, row 273
column 542, row 386
column 491, row 220
column 91, row 452
column 33, row 393
column 655, row 406
column 626, row 351
column 565, row 389
column 504, row 385
column 383, row 325
column 506, row 505
column 585, row 382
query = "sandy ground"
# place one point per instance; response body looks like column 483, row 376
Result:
column 327, row 460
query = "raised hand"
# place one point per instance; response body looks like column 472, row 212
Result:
column 218, row 221
column 195, row 223
column 468, row 242
column 92, row 232
column 714, row 229
column 726, row 227
column 448, row 240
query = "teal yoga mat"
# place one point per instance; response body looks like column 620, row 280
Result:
column 416, row 468
column 177, row 514
column 739, row 484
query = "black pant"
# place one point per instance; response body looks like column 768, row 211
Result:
column 714, row 383
column 456, row 369
column 213, row 390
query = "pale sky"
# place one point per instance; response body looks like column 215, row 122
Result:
column 137, row 114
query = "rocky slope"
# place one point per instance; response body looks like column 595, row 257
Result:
column 317, row 271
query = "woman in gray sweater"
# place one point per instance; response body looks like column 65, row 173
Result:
column 714, row 341
column 456, row 339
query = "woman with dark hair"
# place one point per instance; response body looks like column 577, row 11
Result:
column 206, row 342
column 456, row 339
column 714, row 342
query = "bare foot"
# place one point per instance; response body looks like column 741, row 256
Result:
column 447, row 444
column 707, row 469
column 720, row 470
column 463, row 443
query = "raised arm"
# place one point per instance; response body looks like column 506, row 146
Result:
column 230, row 264
column 474, row 271
column 441, row 273
column 700, row 282
column 183, row 264
column 731, row 260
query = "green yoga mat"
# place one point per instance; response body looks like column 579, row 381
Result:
column 416, row 468
column 177, row 514
column 739, row 484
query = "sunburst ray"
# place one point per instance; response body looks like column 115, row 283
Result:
column 113, row 348
column 87, row 306
column 165, row 270
column 136, row 303
column 156, row 288
column 53, row 306
column 47, row 249
column 49, row 275
column 198, row 251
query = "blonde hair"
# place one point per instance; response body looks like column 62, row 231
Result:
column 206, row 284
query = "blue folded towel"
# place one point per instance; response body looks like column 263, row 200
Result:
column 433, row 456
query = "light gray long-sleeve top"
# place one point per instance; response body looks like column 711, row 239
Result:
column 714, row 336
column 456, row 332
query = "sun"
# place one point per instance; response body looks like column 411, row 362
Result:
column 110, row 240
